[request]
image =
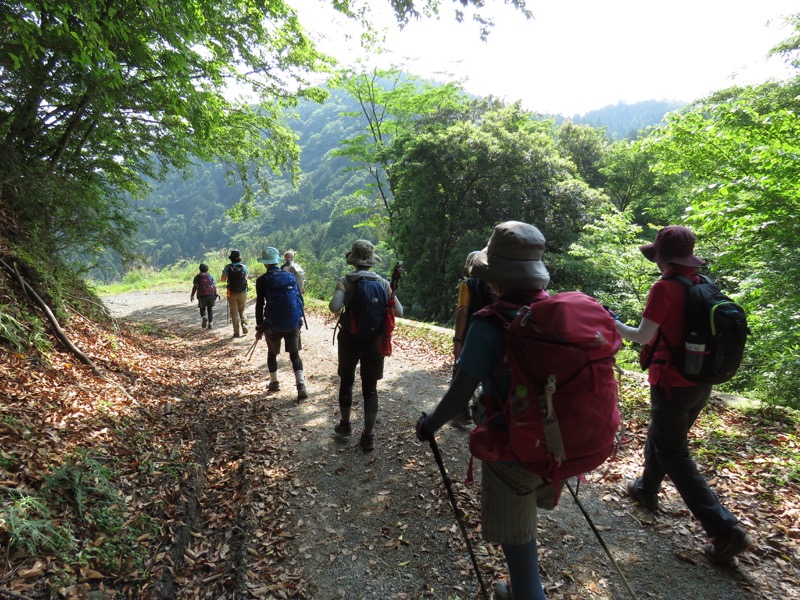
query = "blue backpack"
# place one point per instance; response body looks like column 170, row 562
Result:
column 284, row 310
column 366, row 310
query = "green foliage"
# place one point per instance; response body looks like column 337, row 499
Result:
column 452, row 185
column 740, row 149
column 12, row 331
column 97, row 98
column 32, row 525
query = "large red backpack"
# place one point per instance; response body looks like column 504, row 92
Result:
column 560, row 418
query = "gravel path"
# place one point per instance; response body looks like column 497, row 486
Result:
column 379, row 525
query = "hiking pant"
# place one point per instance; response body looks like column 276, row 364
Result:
column 666, row 452
column 352, row 352
column 206, row 304
column 237, row 303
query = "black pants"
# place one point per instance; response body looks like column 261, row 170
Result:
column 666, row 452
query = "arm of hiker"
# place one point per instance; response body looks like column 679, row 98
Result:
column 453, row 403
column 398, row 308
column 337, row 302
column 461, row 326
column 643, row 334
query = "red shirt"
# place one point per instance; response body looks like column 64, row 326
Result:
column 666, row 305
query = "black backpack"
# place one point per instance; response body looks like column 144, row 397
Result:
column 237, row 279
column 366, row 311
column 714, row 335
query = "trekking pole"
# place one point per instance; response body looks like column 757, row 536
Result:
column 448, row 485
column 602, row 542
column 249, row 354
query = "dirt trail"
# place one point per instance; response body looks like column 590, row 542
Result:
column 348, row 524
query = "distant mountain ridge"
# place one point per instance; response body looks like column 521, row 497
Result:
column 623, row 120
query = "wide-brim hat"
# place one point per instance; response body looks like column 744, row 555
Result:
column 235, row 255
column 512, row 258
column 673, row 244
column 270, row 256
column 362, row 254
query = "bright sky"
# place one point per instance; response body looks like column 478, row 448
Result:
column 579, row 55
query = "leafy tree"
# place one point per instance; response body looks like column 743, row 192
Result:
column 586, row 146
column 740, row 148
column 633, row 185
column 452, row 185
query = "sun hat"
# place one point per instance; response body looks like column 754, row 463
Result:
column 469, row 260
column 235, row 255
column 270, row 256
column 362, row 254
column 673, row 244
column 513, row 258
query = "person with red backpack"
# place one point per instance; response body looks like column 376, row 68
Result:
column 365, row 297
column 205, row 288
column 512, row 265
column 675, row 401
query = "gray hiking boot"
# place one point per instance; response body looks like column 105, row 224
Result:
column 244, row 328
column 636, row 494
column 302, row 394
column 726, row 547
column 205, row 322
column 274, row 386
column 343, row 428
column 210, row 325
column 502, row 591
column 367, row 442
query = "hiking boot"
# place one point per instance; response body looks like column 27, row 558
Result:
column 236, row 334
column 274, row 386
column 343, row 428
column 502, row 591
column 302, row 394
column 244, row 328
column 367, row 442
column 205, row 322
column 725, row 547
column 637, row 495
column 210, row 325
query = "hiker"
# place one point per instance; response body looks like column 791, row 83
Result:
column 675, row 402
column 205, row 288
column 360, row 346
column 512, row 266
column 292, row 267
column 473, row 295
column 279, row 314
column 235, row 274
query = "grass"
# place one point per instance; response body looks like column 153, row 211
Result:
column 81, row 516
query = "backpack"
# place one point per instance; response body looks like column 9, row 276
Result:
column 560, row 418
column 237, row 279
column 284, row 310
column 205, row 285
column 480, row 296
column 714, row 334
column 366, row 311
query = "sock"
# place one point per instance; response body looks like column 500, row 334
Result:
column 299, row 377
column 273, row 376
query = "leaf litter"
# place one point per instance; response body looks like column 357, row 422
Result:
column 251, row 495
